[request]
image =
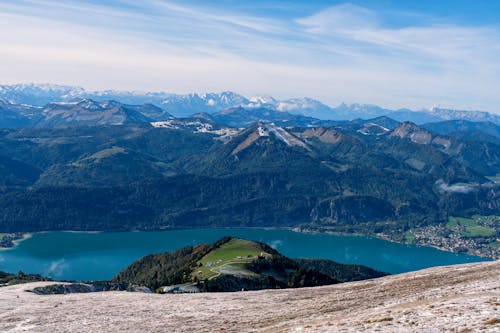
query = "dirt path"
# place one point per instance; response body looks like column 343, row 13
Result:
column 462, row 298
column 217, row 269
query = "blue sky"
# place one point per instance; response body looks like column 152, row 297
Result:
column 391, row 53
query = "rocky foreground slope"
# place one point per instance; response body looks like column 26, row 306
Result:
column 461, row 298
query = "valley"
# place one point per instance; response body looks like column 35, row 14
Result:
column 249, row 167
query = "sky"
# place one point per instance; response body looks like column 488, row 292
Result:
column 395, row 54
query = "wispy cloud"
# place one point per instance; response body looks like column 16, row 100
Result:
column 454, row 188
column 354, row 27
column 342, row 18
column 341, row 53
column 56, row 268
column 277, row 243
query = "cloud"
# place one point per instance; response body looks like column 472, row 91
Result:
column 275, row 244
column 217, row 19
column 341, row 53
column 343, row 17
column 56, row 268
column 455, row 188
column 355, row 27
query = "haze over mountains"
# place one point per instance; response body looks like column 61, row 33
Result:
column 186, row 105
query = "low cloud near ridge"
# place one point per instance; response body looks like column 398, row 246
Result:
column 443, row 187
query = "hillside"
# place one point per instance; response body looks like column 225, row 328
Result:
column 377, row 177
column 454, row 298
column 19, row 278
column 232, row 264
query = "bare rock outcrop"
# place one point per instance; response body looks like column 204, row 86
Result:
column 460, row 298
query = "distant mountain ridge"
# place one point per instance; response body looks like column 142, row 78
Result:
column 211, row 103
column 228, row 122
column 78, row 112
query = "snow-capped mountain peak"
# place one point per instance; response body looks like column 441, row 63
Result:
column 450, row 114
column 38, row 94
column 263, row 100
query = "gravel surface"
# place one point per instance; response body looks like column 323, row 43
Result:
column 461, row 298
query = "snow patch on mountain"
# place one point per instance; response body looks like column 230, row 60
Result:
column 288, row 138
column 450, row 114
column 262, row 101
column 262, row 131
column 197, row 126
column 373, row 129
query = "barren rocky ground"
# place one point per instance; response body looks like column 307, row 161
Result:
column 461, row 298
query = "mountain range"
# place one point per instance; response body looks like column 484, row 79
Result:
column 368, row 176
column 106, row 165
column 186, row 105
column 87, row 112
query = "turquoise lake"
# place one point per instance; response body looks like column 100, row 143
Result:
column 99, row 256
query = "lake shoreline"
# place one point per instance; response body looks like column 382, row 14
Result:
column 387, row 237
column 85, row 256
column 25, row 236
column 15, row 240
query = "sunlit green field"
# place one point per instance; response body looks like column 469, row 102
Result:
column 409, row 237
column 230, row 257
column 471, row 227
